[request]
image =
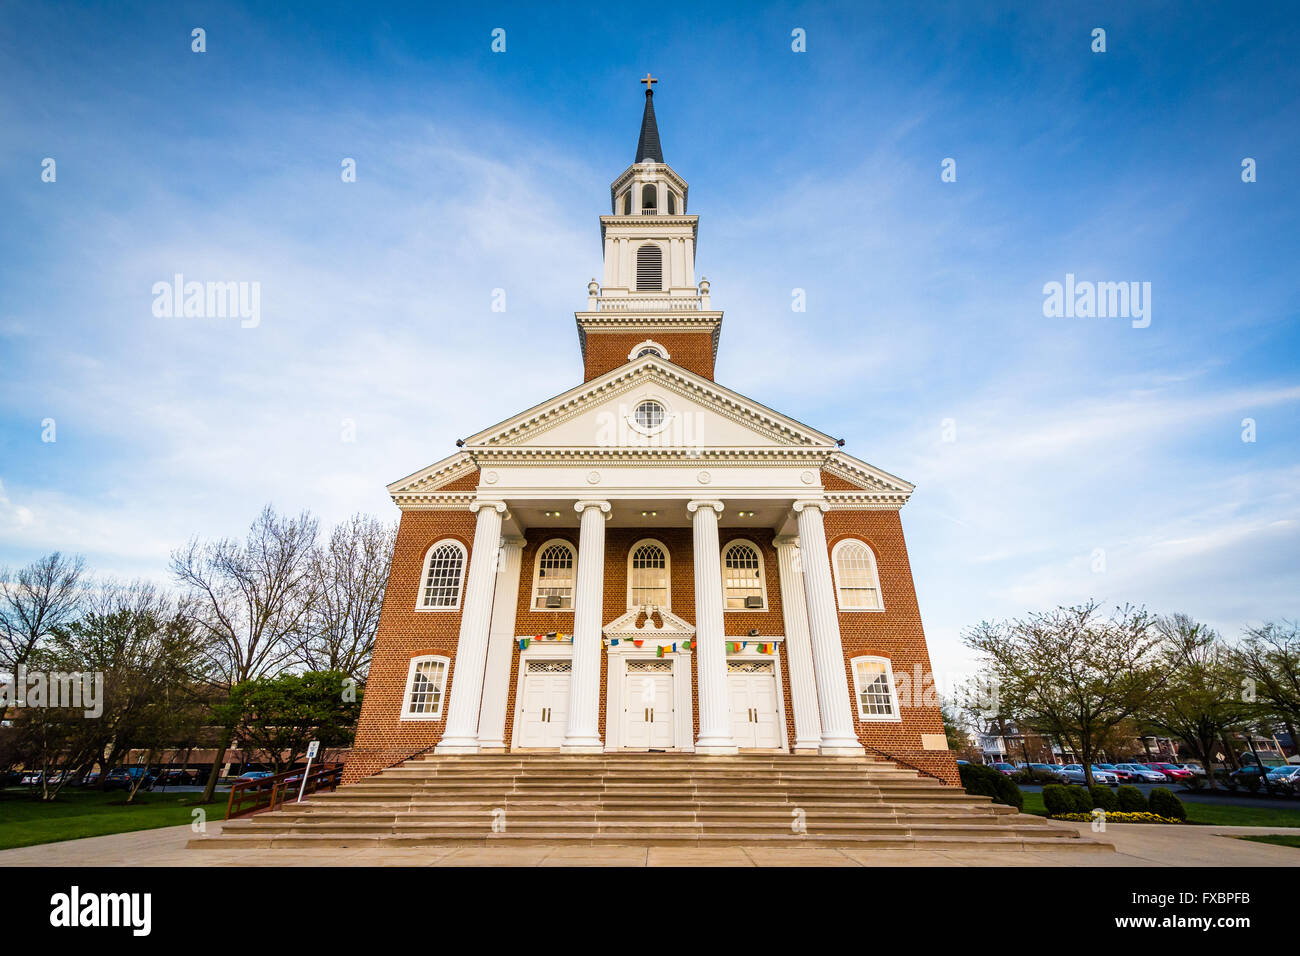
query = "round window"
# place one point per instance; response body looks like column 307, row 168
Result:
column 644, row 352
column 650, row 414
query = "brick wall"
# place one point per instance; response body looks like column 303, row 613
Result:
column 608, row 350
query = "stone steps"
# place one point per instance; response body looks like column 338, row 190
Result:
column 663, row 800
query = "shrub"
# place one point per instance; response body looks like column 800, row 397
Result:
column 1081, row 799
column 1131, row 800
column 1104, row 798
column 1057, row 800
column 1252, row 782
column 987, row 782
column 1165, row 804
column 1195, row 783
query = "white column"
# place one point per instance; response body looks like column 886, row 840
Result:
column 710, row 652
column 798, row 646
column 461, row 735
column 838, row 735
column 661, row 197
column 583, row 732
column 501, row 640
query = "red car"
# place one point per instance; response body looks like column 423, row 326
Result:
column 1172, row 771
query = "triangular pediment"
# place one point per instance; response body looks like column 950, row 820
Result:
column 699, row 414
column 674, row 628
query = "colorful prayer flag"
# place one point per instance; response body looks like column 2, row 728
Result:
column 659, row 651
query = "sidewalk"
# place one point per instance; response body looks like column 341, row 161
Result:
column 1135, row 845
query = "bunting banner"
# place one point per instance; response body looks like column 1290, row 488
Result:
column 523, row 643
column 638, row 643
column 659, row 651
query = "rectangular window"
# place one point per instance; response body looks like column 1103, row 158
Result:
column 425, row 686
column 875, row 690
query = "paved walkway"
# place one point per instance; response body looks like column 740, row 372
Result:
column 1136, row 845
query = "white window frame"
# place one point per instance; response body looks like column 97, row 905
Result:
column 641, row 399
column 668, row 572
column 537, row 577
column 424, row 577
column 875, row 573
column 863, row 716
column 649, row 344
column 441, row 712
column 762, row 576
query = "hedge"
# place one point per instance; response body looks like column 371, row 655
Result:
column 1131, row 799
column 1165, row 804
column 987, row 782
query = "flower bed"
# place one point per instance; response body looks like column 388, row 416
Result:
column 1118, row 816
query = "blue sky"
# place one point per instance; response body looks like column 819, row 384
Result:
column 816, row 170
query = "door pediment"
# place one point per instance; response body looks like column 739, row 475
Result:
column 675, row 629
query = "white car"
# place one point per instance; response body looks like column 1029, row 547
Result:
column 1144, row 773
column 1073, row 772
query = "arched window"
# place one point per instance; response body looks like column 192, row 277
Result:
column 649, row 198
column 444, row 573
column 857, row 581
column 625, row 204
column 672, row 203
column 873, row 686
column 426, row 686
column 647, row 575
column 553, row 581
column 647, row 347
column 742, row 577
column 649, row 268
column 649, row 350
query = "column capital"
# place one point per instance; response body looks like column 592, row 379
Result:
column 694, row 506
column 479, row 503
column 583, row 505
column 819, row 503
column 513, row 541
column 785, row 541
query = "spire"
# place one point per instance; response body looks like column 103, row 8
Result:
column 647, row 147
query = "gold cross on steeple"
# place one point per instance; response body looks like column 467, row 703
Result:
column 647, row 80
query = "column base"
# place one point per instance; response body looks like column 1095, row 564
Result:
column 491, row 748
column 840, row 747
column 811, row 750
column 810, row 746
column 582, row 745
column 716, row 745
column 457, row 745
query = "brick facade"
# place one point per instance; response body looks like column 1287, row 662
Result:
column 606, row 351
column 383, row 739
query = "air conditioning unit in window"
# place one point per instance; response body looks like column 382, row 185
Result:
column 753, row 601
column 554, row 600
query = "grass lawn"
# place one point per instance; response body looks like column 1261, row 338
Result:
column 1277, row 839
column 26, row 821
column 1219, row 814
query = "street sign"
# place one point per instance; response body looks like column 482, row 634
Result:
column 313, row 749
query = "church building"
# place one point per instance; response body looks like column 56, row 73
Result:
column 649, row 561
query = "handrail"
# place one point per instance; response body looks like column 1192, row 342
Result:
column 268, row 793
column 907, row 763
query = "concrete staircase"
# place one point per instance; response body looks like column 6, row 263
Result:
column 647, row 799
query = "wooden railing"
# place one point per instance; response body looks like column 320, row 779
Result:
column 269, row 793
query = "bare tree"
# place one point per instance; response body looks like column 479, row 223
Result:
column 34, row 601
column 350, row 574
column 251, row 599
column 1071, row 673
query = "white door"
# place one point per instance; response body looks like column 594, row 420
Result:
column 544, row 714
column 755, row 717
column 648, row 717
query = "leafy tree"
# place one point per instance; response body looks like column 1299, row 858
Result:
column 1201, row 699
column 281, row 715
column 1070, row 673
column 1269, row 664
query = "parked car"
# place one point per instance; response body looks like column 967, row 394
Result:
column 1123, row 775
column 32, row 778
column 1004, row 768
column 177, row 778
column 254, row 775
column 1286, row 777
column 1173, row 771
column 1195, row 769
column 1074, row 774
column 124, row 778
column 1247, row 774
column 1049, row 768
column 1143, row 773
